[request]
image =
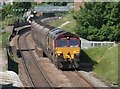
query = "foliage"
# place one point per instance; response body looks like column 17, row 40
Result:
column 60, row 3
column 21, row 5
column 17, row 9
column 119, row 66
column 6, row 9
column 56, row 3
column 4, row 38
column 99, row 21
column 60, row 14
column 13, row 13
column 33, row 4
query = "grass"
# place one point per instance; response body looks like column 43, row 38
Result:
column 119, row 65
column 107, row 59
column 4, row 37
column 69, row 27
column 0, row 38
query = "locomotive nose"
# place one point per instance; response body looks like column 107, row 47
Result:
column 68, row 55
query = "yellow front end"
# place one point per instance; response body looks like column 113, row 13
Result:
column 67, row 52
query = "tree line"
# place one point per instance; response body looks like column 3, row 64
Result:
column 9, row 9
column 99, row 21
column 19, row 8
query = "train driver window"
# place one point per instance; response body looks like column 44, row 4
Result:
column 61, row 43
column 73, row 43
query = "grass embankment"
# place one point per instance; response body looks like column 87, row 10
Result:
column 3, row 38
column 70, row 26
column 0, row 39
column 107, row 59
column 119, row 65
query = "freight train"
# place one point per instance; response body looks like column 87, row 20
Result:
column 61, row 46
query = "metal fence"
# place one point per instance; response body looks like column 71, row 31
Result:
column 92, row 44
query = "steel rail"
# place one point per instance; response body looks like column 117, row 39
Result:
column 23, row 61
column 84, row 79
column 25, row 65
column 35, row 60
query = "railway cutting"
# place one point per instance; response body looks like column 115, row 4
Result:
column 41, row 71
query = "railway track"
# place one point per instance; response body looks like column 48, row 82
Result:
column 35, row 73
column 33, row 70
column 77, row 80
column 77, row 72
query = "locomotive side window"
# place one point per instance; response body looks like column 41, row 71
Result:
column 61, row 43
column 73, row 43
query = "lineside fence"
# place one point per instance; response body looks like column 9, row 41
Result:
column 85, row 44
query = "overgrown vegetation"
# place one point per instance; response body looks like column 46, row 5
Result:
column 99, row 21
column 119, row 65
column 4, row 38
column 17, row 9
column 0, row 38
column 107, row 62
column 54, row 3
column 12, row 13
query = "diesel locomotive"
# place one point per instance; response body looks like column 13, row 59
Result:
column 61, row 46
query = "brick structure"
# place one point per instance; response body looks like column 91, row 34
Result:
column 78, row 4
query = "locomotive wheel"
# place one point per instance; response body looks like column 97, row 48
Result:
column 56, row 64
column 76, row 64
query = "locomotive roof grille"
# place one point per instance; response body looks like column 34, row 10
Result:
column 54, row 30
column 59, row 32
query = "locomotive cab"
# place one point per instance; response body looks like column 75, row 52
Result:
column 67, row 50
column 62, row 47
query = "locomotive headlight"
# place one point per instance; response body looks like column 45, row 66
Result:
column 59, row 53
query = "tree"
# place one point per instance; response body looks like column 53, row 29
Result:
column 6, row 10
column 13, row 13
column 56, row 3
column 99, row 21
column 17, row 9
column 22, row 6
